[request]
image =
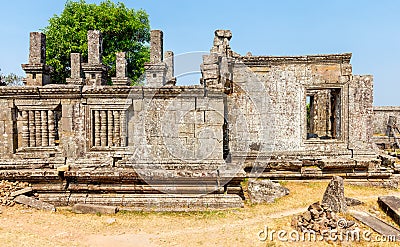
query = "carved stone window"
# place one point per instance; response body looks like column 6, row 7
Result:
column 108, row 128
column 38, row 126
column 323, row 107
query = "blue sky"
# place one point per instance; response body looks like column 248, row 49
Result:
column 368, row 29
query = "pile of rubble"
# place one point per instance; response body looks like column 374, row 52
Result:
column 321, row 219
column 9, row 190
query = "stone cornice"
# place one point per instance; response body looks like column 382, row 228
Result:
column 308, row 59
column 49, row 91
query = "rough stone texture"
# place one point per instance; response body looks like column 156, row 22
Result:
column 334, row 195
column 265, row 191
column 93, row 209
column 381, row 117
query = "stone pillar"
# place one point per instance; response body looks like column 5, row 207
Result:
column 37, row 72
column 38, row 125
column 25, row 129
column 45, row 133
column 169, row 61
column 121, row 78
column 103, row 128
column 76, row 70
column 51, row 128
column 123, row 128
column 95, row 71
column 117, row 133
column 156, row 70
column 94, row 46
column 32, row 129
column 156, row 46
column 97, row 141
column 110, row 128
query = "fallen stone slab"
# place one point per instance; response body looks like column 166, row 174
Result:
column 391, row 206
column 21, row 192
column 334, row 195
column 265, row 191
column 34, row 203
column 376, row 224
column 350, row 202
column 81, row 208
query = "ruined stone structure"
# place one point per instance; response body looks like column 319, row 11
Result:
column 161, row 145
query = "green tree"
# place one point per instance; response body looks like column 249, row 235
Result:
column 10, row 80
column 123, row 29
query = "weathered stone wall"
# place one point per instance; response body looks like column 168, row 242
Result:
column 249, row 117
column 273, row 90
column 360, row 113
column 381, row 117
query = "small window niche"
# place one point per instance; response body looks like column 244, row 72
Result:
column 323, row 108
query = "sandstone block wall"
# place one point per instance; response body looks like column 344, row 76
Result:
column 381, row 116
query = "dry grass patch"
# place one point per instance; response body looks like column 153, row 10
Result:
column 237, row 227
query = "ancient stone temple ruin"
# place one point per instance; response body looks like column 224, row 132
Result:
column 165, row 146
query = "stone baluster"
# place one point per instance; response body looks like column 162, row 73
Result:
column 97, row 141
column 38, row 125
column 25, row 129
column 110, row 128
column 103, row 128
column 51, row 128
column 45, row 133
column 32, row 129
column 117, row 130
column 123, row 128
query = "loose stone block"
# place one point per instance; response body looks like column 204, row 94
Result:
column 93, row 209
column 265, row 191
column 34, row 203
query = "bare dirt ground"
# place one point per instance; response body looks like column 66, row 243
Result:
column 21, row 226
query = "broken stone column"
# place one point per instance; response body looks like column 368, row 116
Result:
column 76, row 70
column 37, row 72
column 217, row 68
column 95, row 72
column 156, row 69
column 169, row 61
column 334, row 195
column 121, row 78
column 221, row 43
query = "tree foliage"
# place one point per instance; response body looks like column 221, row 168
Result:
column 10, row 80
column 123, row 29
